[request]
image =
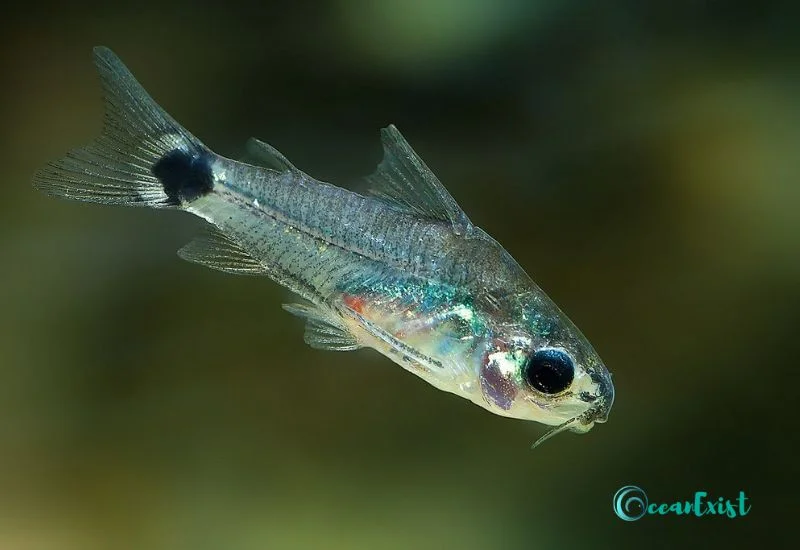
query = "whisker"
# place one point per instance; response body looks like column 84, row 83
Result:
column 555, row 431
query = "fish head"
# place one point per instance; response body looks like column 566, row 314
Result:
column 536, row 365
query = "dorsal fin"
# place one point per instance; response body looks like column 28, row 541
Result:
column 403, row 179
column 267, row 156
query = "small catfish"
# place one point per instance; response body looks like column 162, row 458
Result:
column 401, row 270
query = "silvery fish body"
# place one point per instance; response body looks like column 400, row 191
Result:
column 402, row 271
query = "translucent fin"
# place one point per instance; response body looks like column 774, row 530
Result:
column 117, row 168
column 267, row 156
column 403, row 179
column 215, row 250
column 406, row 352
column 323, row 331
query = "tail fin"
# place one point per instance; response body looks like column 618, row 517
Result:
column 142, row 158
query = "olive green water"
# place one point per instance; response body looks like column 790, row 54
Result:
column 640, row 161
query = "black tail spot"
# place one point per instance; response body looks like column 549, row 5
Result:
column 185, row 176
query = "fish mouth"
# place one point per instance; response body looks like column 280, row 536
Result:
column 598, row 412
column 604, row 400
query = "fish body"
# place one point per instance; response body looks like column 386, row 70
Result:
column 402, row 270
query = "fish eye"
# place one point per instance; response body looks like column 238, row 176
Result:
column 549, row 371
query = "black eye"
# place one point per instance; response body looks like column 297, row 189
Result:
column 549, row 371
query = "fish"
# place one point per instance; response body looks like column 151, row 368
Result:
column 400, row 268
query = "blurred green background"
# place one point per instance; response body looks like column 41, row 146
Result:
column 639, row 159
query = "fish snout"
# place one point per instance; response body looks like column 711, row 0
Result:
column 605, row 399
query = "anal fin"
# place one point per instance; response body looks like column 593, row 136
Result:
column 217, row 251
column 323, row 331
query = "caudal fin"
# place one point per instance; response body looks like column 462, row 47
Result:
column 142, row 158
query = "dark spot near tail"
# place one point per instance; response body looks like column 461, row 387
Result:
column 184, row 175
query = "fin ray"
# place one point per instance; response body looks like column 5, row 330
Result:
column 404, row 180
column 399, row 347
column 322, row 330
column 216, row 251
column 267, row 156
column 117, row 167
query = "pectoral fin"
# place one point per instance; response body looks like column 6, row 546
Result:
column 406, row 354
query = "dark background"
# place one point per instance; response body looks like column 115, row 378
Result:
column 639, row 159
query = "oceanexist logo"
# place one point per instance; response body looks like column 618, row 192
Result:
column 630, row 504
